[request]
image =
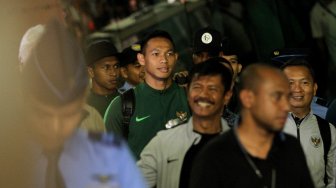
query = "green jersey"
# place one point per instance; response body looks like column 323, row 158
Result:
column 153, row 109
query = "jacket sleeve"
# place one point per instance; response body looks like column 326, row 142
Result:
column 150, row 159
column 331, row 166
column 113, row 116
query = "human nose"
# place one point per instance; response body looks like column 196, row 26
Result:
column 204, row 92
column 163, row 58
column 113, row 71
column 296, row 87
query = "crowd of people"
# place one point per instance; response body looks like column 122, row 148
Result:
column 100, row 117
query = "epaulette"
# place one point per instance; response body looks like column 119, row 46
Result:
column 175, row 123
column 105, row 138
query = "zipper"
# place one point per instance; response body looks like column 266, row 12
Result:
column 298, row 131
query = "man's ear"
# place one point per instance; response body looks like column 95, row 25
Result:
column 141, row 59
column 90, row 72
column 240, row 66
column 227, row 97
column 123, row 72
column 246, row 98
column 176, row 55
column 315, row 88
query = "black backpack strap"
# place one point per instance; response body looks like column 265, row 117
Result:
column 326, row 138
column 127, row 109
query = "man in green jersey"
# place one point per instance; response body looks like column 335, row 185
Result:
column 157, row 100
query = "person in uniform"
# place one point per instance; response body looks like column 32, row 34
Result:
column 93, row 121
column 157, row 100
column 54, row 85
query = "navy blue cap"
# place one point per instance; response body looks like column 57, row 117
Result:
column 55, row 72
column 280, row 56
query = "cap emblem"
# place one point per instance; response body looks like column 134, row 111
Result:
column 206, row 38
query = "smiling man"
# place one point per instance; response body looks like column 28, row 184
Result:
column 168, row 158
column 255, row 153
column 157, row 100
column 315, row 134
column 102, row 59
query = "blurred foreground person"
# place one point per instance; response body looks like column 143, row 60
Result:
column 255, row 153
column 54, row 85
column 93, row 121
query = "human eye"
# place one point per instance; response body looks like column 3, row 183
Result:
column 195, row 86
column 170, row 53
column 234, row 61
column 213, row 89
column 137, row 65
column 277, row 96
column 155, row 53
column 106, row 67
column 116, row 66
column 305, row 82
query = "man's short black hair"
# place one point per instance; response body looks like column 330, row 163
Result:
column 300, row 62
column 155, row 34
column 212, row 67
column 221, row 60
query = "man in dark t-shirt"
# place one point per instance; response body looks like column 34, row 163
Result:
column 255, row 153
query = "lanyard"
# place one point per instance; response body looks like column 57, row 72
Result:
column 253, row 165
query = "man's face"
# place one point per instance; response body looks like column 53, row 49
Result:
column 236, row 66
column 200, row 57
column 206, row 96
column 133, row 73
column 158, row 59
column 302, row 87
column 105, row 73
column 53, row 125
column 269, row 104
